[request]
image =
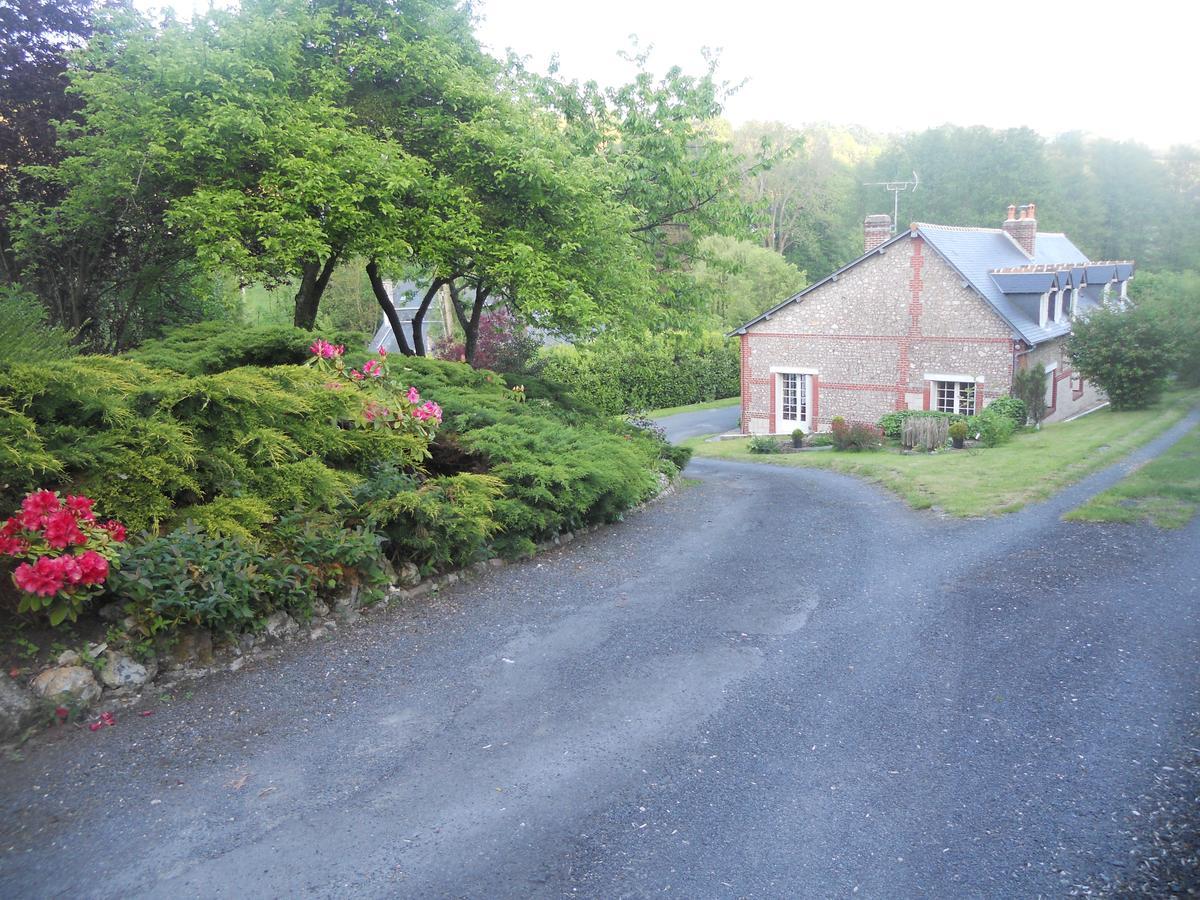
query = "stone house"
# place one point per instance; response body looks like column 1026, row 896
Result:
column 936, row 317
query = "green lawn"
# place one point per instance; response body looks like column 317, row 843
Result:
column 1165, row 491
column 1033, row 466
column 693, row 407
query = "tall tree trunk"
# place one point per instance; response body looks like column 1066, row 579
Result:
column 418, row 322
column 388, row 307
column 470, row 324
column 313, row 280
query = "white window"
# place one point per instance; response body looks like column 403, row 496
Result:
column 1051, row 305
column 955, row 397
column 1068, row 300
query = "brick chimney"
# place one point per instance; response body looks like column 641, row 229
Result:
column 876, row 230
column 1021, row 226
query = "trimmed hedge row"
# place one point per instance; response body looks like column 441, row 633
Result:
column 619, row 376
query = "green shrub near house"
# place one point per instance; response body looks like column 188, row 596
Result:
column 204, row 456
column 649, row 372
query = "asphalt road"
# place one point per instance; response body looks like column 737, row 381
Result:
column 706, row 421
column 775, row 683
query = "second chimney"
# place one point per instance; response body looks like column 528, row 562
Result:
column 1021, row 226
column 876, row 230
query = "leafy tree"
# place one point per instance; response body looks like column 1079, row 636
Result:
column 806, row 203
column 1173, row 299
column 1029, row 386
column 1127, row 352
column 35, row 38
column 736, row 280
column 668, row 162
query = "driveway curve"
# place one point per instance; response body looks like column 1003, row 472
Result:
column 773, row 683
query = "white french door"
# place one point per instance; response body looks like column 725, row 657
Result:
column 793, row 392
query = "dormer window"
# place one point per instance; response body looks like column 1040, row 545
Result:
column 1066, row 305
column 1049, row 307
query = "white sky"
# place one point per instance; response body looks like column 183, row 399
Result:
column 1123, row 71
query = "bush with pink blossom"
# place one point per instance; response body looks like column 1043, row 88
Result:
column 66, row 553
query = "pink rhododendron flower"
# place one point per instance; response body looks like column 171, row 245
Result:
column 371, row 367
column 70, row 569
column 383, row 352
column 414, row 397
column 356, row 375
column 115, row 530
column 10, row 527
column 93, row 568
column 42, row 578
column 12, row 546
column 375, row 411
column 62, row 530
column 81, row 508
column 36, row 507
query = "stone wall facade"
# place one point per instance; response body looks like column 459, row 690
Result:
column 868, row 339
column 1067, row 394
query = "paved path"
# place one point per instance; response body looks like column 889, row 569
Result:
column 776, row 683
column 707, row 421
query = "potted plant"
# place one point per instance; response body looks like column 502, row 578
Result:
column 958, row 434
column 798, row 438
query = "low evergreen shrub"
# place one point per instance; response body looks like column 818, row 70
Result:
column 296, row 465
column 1009, row 407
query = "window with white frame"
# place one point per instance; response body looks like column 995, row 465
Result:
column 1067, row 301
column 955, row 397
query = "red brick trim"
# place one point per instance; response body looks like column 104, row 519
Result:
column 925, row 397
column 745, row 420
column 774, row 381
column 1077, row 392
column 812, row 404
column 979, row 396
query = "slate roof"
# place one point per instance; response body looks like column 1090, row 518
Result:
column 1002, row 273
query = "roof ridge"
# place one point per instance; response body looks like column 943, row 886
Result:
column 956, row 227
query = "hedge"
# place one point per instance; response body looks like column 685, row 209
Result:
column 653, row 372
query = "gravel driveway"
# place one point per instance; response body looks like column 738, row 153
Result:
column 775, row 683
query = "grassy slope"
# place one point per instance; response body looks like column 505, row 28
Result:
column 1165, row 491
column 1033, row 466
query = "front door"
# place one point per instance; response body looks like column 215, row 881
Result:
column 793, row 401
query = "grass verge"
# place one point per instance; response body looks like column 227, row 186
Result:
column 1033, row 466
column 693, row 407
column 1165, row 491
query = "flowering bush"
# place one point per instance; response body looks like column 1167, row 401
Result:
column 386, row 406
column 67, row 552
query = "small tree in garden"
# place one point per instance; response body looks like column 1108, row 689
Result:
column 1029, row 386
column 504, row 344
column 1128, row 353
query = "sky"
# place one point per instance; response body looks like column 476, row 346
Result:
column 1123, row 71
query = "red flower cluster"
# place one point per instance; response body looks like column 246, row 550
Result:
column 46, row 524
column 50, row 574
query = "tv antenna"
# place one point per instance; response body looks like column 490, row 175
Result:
column 896, row 188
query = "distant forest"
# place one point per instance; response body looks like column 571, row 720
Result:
column 1116, row 200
